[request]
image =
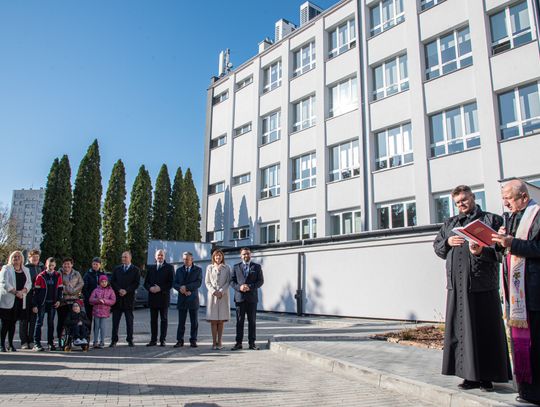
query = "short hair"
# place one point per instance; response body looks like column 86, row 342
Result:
column 13, row 254
column 127, row 252
column 34, row 252
column 187, row 254
column 50, row 260
column 67, row 259
column 218, row 251
column 461, row 188
column 517, row 186
column 160, row 250
column 245, row 248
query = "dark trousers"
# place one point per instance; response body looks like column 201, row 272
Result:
column 63, row 312
column 243, row 308
column 532, row 391
column 48, row 309
column 88, row 308
column 163, row 313
column 27, row 327
column 193, row 320
column 8, row 329
column 117, row 315
column 79, row 331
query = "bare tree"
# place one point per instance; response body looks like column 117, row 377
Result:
column 9, row 237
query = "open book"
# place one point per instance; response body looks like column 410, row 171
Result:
column 477, row 232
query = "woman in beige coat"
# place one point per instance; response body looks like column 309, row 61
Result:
column 218, row 310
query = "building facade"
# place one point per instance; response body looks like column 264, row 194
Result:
column 367, row 116
column 26, row 208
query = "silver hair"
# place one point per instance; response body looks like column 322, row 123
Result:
column 187, row 254
column 517, row 187
column 161, row 250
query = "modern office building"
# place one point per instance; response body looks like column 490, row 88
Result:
column 367, row 115
column 26, row 207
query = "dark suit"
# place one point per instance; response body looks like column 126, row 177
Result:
column 159, row 302
column 192, row 280
column 129, row 281
column 246, row 303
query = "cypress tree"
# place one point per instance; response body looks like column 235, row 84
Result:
column 140, row 211
column 114, row 218
column 176, row 222
column 162, row 203
column 86, row 210
column 56, row 226
column 192, row 216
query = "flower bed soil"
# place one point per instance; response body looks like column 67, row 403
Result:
column 429, row 337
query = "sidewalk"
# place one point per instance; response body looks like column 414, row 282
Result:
column 343, row 347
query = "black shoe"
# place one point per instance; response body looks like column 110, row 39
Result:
column 520, row 399
column 3, row 349
column 193, row 344
column 469, row 385
column 38, row 348
column 237, row 346
column 151, row 343
column 112, row 345
column 179, row 344
column 253, row 347
column 486, row 386
column 52, row 348
column 162, row 343
column 11, row 348
column 131, row 344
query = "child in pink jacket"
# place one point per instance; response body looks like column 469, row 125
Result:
column 102, row 298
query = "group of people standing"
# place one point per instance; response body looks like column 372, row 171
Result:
column 475, row 343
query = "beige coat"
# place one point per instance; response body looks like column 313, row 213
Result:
column 217, row 279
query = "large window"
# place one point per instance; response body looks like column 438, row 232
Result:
column 394, row 147
column 425, row 4
column 271, row 127
column 215, row 236
column 216, row 188
column 510, row 28
column 396, row 215
column 385, row 15
column 445, row 207
column 519, row 111
column 218, row 142
column 343, row 97
column 243, row 129
column 304, row 59
column 304, row 113
column 454, row 130
column 240, row 233
column 448, row 53
column 390, row 77
column 269, row 233
column 220, row 98
column 342, row 38
column 304, row 228
column 344, row 161
column 304, row 171
column 270, row 181
column 345, row 223
column 242, row 179
column 272, row 77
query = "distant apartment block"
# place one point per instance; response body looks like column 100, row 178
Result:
column 26, row 207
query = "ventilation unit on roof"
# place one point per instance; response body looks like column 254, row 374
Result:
column 308, row 11
column 283, row 28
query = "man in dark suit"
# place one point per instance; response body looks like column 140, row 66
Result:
column 187, row 281
column 246, row 279
column 124, row 281
column 158, row 282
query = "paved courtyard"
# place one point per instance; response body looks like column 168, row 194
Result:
column 158, row 376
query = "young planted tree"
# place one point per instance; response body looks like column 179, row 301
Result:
column 161, row 206
column 175, row 228
column 114, row 218
column 192, row 216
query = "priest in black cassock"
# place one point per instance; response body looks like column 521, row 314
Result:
column 475, row 346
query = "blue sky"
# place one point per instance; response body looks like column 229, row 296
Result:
column 131, row 73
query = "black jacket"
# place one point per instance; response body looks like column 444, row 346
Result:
column 74, row 318
column 164, row 279
column 90, row 280
column 128, row 280
column 34, row 271
column 484, row 270
column 192, row 281
column 254, row 280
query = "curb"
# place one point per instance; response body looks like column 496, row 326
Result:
column 424, row 391
column 307, row 321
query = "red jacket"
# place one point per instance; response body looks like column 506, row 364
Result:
column 40, row 288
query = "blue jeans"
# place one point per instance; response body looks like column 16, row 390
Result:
column 48, row 309
column 100, row 325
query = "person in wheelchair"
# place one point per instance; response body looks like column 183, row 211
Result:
column 78, row 325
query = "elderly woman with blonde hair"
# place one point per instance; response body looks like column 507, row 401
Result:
column 15, row 282
column 218, row 311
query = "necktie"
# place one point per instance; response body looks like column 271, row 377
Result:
column 159, row 266
column 245, row 270
column 188, row 269
column 125, row 268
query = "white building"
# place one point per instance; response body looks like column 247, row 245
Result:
column 26, row 207
column 367, row 115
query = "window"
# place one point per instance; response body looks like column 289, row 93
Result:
column 240, row 233
column 242, row 179
column 304, row 59
column 344, row 161
column 390, row 77
column 454, row 130
column 220, row 98
column 270, row 233
column 245, row 128
column 445, row 207
column 304, row 113
column 272, row 77
column 244, row 82
column 271, row 127
column 304, row 229
column 342, row 38
column 519, row 111
column 394, row 147
column 396, row 215
column 270, row 182
column 385, row 15
column 448, row 53
column 425, row 4
column 216, row 188
column 510, row 28
column 343, row 97
column 345, row 223
column 218, row 142
column 215, row 236
column 304, row 172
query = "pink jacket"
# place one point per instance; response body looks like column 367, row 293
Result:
column 107, row 295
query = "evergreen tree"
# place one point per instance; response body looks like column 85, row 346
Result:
column 162, row 203
column 140, row 211
column 114, row 218
column 192, row 216
column 86, row 210
column 175, row 228
column 56, row 225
